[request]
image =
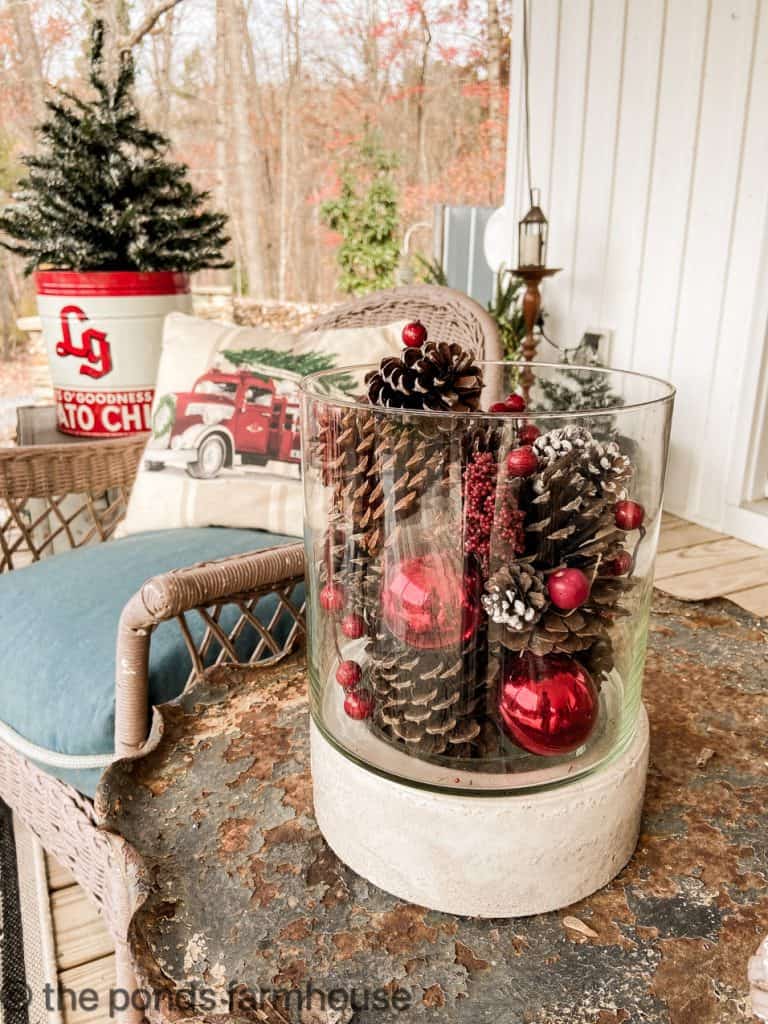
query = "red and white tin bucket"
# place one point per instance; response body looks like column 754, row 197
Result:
column 103, row 332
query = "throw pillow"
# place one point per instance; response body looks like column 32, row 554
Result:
column 225, row 447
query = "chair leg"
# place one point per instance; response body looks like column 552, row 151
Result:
column 127, row 998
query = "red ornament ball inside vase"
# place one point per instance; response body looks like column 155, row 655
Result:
column 515, row 403
column 522, row 461
column 348, row 674
column 568, row 589
column 528, row 433
column 353, row 626
column 358, row 704
column 332, row 598
column 619, row 565
column 428, row 603
column 547, row 705
column 629, row 515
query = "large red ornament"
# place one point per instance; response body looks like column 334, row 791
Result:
column 414, row 334
column 547, row 705
column 568, row 589
column 629, row 515
column 428, row 603
column 522, row 461
column 358, row 704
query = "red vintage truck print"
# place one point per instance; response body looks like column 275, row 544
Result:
column 229, row 420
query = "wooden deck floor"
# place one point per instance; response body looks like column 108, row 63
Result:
column 693, row 564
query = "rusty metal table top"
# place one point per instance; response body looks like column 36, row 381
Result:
column 233, row 884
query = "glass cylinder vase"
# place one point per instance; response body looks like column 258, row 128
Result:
column 479, row 583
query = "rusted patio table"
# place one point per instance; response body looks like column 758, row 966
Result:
column 240, row 905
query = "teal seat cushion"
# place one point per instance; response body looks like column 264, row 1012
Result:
column 58, row 628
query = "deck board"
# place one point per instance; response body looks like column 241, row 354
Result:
column 78, row 930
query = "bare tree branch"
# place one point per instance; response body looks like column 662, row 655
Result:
column 148, row 23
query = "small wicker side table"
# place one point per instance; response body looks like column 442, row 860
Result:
column 234, row 889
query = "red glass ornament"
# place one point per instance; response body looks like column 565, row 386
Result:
column 414, row 334
column 547, row 705
column 515, row 403
column 522, row 461
column 629, row 515
column 332, row 598
column 428, row 603
column 619, row 565
column 568, row 589
column 528, row 433
column 358, row 704
column 499, row 407
column 353, row 626
column 348, row 674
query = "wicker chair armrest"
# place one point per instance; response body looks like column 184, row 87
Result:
column 169, row 596
column 41, row 471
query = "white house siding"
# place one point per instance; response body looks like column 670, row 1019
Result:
column 649, row 125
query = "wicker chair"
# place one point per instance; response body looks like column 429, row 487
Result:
column 65, row 821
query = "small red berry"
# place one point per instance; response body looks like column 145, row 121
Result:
column 629, row 515
column 358, row 704
column 619, row 565
column 348, row 674
column 522, row 461
column 528, row 433
column 568, row 589
column 414, row 334
column 499, row 407
column 332, row 598
column 353, row 626
column 515, row 403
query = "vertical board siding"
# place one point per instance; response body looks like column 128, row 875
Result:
column 649, row 122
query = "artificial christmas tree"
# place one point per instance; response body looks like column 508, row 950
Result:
column 121, row 226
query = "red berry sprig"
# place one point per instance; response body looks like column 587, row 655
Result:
column 629, row 515
column 522, row 461
column 568, row 589
column 332, row 598
column 348, row 674
column 358, row 704
column 414, row 334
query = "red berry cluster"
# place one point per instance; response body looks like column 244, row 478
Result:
column 480, row 512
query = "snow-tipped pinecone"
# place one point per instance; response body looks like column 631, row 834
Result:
column 432, row 702
column 570, row 519
column 439, row 376
column 585, row 629
column 515, row 597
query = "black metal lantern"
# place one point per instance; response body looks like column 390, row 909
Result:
column 532, row 235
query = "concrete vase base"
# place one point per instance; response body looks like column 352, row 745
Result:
column 489, row 856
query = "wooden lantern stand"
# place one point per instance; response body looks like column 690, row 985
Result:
column 532, row 276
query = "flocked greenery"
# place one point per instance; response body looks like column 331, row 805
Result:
column 575, row 390
column 102, row 194
column 367, row 220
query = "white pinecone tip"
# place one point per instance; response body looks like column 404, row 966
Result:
column 515, row 597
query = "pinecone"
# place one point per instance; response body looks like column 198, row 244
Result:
column 585, row 629
column 357, row 573
column 516, row 596
column 380, row 468
column 426, row 700
column 570, row 500
column 438, row 376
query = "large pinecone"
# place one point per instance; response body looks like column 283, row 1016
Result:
column 381, row 467
column 586, row 629
column 570, row 500
column 515, row 597
column 426, row 700
column 438, row 376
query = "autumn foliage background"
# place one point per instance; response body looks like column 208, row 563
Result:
column 269, row 101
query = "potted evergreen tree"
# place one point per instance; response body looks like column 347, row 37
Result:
column 112, row 229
